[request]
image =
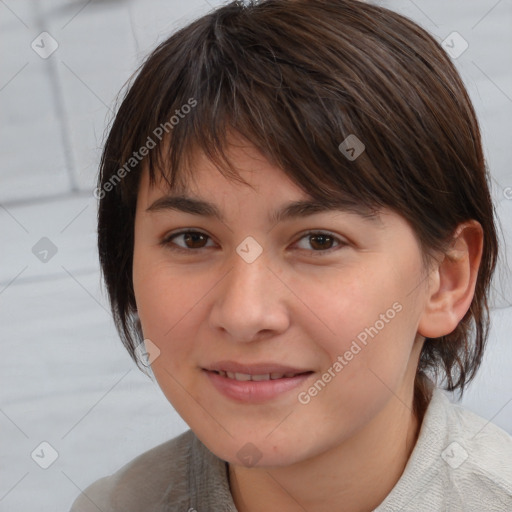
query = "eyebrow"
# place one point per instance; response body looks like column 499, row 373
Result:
column 290, row 210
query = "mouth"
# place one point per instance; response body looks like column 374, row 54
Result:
column 232, row 368
column 254, row 383
column 244, row 377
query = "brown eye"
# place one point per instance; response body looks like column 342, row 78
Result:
column 191, row 240
column 194, row 240
column 321, row 243
column 318, row 243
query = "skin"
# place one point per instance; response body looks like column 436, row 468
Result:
column 351, row 442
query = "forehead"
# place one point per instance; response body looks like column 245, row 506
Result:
column 201, row 204
column 203, row 189
column 198, row 175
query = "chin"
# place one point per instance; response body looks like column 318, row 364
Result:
column 241, row 451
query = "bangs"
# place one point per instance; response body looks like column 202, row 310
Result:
column 295, row 110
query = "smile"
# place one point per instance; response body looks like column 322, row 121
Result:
column 263, row 376
column 255, row 388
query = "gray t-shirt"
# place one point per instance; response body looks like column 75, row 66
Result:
column 461, row 462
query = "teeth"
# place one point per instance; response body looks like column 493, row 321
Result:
column 266, row 376
column 242, row 376
column 246, row 376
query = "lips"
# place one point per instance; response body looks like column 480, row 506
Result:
column 255, row 383
column 256, row 377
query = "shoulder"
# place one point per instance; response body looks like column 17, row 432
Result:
column 479, row 453
column 142, row 482
column 461, row 461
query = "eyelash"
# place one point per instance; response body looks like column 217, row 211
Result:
column 166, row 242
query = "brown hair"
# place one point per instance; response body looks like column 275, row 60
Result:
column 296, row 78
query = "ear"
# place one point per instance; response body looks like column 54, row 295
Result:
column 452, row 282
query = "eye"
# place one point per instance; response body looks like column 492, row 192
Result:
column 192, row 240
column 321, row 242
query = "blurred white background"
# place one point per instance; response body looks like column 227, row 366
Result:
column 65, row 377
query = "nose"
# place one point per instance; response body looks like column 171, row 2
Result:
column 250, row 302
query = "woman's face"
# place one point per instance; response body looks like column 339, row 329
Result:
column 260, row 298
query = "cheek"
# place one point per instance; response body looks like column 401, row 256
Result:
column 170, row 307
column 340, row 305
column 366, row 318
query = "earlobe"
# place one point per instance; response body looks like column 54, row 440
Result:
column 452, row 283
